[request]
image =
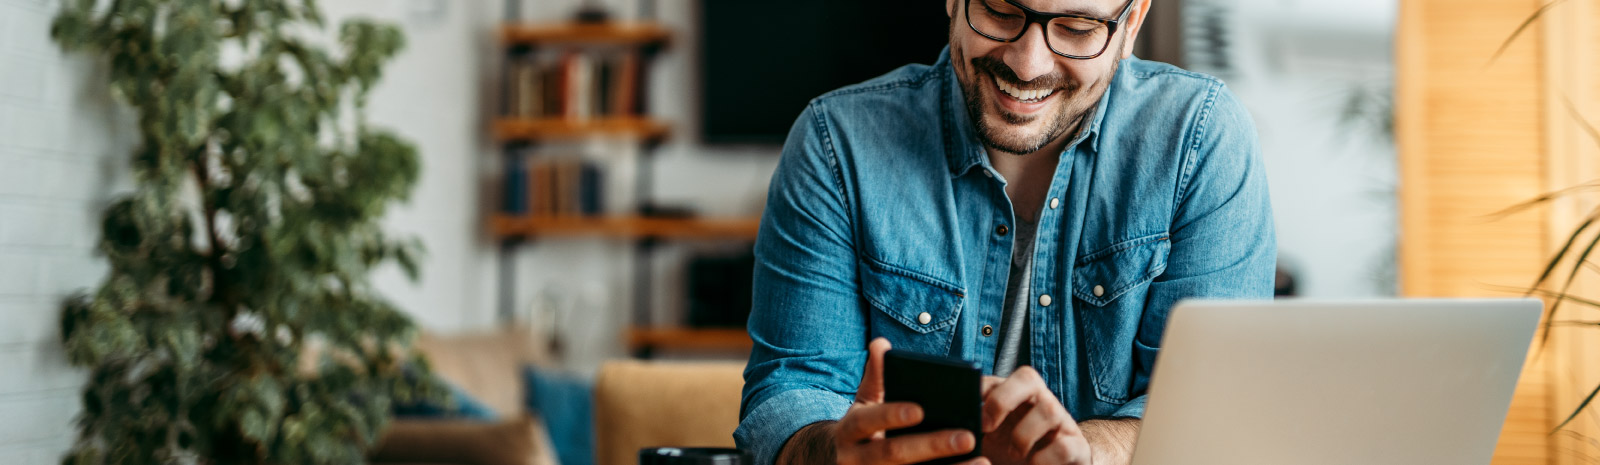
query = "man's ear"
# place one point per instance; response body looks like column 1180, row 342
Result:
column 950, row 8
column 1135, row 23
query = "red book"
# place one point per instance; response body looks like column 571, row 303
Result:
column 625, row 90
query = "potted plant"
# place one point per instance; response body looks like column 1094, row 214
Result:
column 237, row 324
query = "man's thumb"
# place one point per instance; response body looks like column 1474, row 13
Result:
column 871, row 389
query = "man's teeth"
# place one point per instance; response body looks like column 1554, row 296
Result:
column 1023, row 95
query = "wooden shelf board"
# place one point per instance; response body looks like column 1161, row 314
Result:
column 507, row 129
column 625, row 227
column 689, row 338
column 623, row 33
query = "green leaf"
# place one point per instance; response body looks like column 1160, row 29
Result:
column 1520, row 28
column 1577, row 410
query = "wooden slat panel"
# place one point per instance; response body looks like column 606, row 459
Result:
column 1470, row 143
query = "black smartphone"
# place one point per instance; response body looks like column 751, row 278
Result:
column 950, row 391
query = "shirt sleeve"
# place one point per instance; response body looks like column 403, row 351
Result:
column 1223, row 242
column 806, row 320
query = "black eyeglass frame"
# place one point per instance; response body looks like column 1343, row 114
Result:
column 1032, row 16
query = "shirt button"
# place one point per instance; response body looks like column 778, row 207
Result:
column 1001, row 230
column 987, row 174
column 924, row 318
column 1099, row 291
column 1055, row 202
column 987, row 330
column 1044, row 300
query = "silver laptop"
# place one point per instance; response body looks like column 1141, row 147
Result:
column 1309, row 382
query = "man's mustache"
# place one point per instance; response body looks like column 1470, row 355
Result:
column 999, row 70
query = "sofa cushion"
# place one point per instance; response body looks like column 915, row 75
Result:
column 486, row 365
column 652, row 404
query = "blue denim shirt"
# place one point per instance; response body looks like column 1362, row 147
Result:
column 884, row 206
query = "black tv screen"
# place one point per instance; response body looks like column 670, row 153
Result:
column 762, row 61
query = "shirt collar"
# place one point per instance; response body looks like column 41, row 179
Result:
column 962, row 147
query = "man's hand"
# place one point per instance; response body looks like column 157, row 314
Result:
column 1023, row 423
column 859, row 439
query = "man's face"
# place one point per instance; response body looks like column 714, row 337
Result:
column 1021, row 95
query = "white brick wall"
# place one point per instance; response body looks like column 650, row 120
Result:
column 63, row 146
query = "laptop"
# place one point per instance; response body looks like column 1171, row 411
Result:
column 1315, row 382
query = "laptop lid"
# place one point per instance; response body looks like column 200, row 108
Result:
column 1315, row 382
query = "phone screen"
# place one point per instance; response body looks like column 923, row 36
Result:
column 948, row 389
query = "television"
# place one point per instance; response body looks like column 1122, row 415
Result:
column 762, row 61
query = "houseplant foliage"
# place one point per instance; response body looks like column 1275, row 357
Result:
column 236, row 324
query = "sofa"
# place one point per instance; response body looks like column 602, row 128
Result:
column 637, row 404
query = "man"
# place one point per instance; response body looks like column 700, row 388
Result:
column 1036, row 201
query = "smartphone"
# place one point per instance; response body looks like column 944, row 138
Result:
column 950, row 391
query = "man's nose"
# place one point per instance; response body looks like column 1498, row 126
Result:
column 1030, row 57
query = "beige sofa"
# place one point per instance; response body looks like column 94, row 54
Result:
column 637, row 404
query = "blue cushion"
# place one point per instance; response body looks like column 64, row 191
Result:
column 566, row 404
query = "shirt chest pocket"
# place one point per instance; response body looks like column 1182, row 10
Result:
column 1110, row 286
column 914, row 312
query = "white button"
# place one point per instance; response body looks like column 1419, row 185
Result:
column 987, row 174
column 1099, row 291
column 1044, row 299
column 924, row 318
column 1055, row 202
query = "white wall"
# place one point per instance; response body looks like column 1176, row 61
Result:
column 64, row 148
column 63, row 152
column 1332, row 185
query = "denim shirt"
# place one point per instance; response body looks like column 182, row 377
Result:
column 883, row 219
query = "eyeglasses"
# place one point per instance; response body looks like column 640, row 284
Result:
column 1069, row 35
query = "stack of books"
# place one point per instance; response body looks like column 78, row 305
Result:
column 553, row 186
column 575, row 83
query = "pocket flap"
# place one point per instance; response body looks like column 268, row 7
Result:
column 1116, row 269
column 905, row 296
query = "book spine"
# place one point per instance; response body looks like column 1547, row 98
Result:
column 516, row 186
column 589, row 188
column 627, row 85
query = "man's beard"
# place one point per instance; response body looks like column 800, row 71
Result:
column 1007, row 139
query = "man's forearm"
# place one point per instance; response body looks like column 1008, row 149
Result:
column 812, row 445
column 1111, row 441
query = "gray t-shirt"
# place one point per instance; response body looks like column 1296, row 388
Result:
column 1012, row 350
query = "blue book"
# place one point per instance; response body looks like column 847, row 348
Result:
column 516, row 185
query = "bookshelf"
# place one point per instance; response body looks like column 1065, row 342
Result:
column 677, row 338
column 571, row 82
column 634, row 34
column 556, row 128
column 624, row 227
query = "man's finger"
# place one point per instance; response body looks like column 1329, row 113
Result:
column 917, row 448
column 1061, row 450
column 871, row 388
column 1023, row 387
column 864, row 421
column 989, row 382
column 1045, row 418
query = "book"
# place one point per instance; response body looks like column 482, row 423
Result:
column 625, row 87
column 515, row 186
column 589, row 189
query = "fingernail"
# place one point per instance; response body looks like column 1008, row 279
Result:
column 956, row 440
column 905, row 414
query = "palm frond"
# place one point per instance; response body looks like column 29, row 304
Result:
column 1587, row 128
column 1577, row 410
column 1542, row 198
column 1520, row 28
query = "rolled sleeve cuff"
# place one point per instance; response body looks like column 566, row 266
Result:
column 763, row 432
column 1133, row 409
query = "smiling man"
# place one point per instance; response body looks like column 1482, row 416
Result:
column 1035, row 201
